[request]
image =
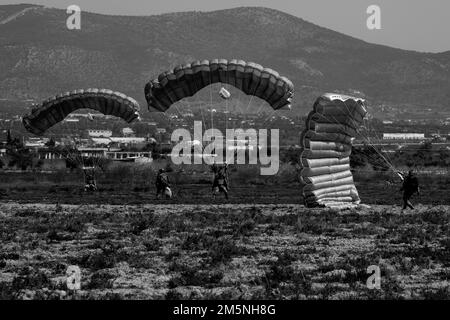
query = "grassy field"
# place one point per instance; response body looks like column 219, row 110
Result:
column 223, row 251
column 192, row 185
column 262, row 243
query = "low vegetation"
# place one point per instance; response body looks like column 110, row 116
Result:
column 223, row 252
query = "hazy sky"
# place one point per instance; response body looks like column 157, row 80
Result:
column 408, row 24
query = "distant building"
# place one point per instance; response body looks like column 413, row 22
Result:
column 118, row 140
column 128, row 140
column 388, row 122
column 35, row 142
column 101, row 141
column 139, row 157
column 72, row 120
column 161, row 130
column 403, row 136
column 100, row 133
column 127, row 132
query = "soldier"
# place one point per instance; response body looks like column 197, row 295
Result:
column 162, row 183
column 220, row 181
column 409, row 187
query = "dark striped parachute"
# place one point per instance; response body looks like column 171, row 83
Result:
column 57, row 108
column 186, row 80
column 326, row 147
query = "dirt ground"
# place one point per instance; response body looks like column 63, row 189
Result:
column 222, row 251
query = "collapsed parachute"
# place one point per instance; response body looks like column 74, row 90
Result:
column 55, row 109
column 326, row 147
column 186, row 80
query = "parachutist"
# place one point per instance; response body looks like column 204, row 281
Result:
column 409, row 187
column 220, row 181
column 90, row 184
column 55, row 110
column 162, row 184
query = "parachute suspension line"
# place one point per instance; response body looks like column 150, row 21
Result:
column 249, row 103
column 382, row 156
column 367, row 138
column 261, row 105
column 178, row 110
column 331, row 118
column 378, row 137
column 372, row 157
column 226, row 114
column 251, row 98
column 269, row 117
column 226, row 104
column 238, row 103
column 203, row 119
column 201, row 109
column 367, row 135
column 211, row 101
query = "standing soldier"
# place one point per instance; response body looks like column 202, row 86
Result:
column 90, row 185
column 220, row 181
column 409, row 187
column 163, row 184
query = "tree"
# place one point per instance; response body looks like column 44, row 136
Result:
column 51, row 143
column 21, row 158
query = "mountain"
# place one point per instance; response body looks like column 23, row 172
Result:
column 41, row 57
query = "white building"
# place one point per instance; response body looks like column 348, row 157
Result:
column 100, row 133
column 36, row 142
column 403, row 136
column 120, row 140
column 72, row 120
column 127, row 132
column 128, row 140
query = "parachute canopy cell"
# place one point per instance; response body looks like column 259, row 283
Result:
column 186, row 80
column 57, row 108
column 326, row 146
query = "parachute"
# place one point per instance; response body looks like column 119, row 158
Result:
column 326, row 145
column 186, row 80
column 55, row 109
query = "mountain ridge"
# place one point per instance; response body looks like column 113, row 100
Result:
column 41, row 57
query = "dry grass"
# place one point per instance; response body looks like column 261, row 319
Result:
column 223, row 252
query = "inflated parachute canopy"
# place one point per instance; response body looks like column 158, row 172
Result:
column 186, row 80
column 57, row 108
column 326, row 146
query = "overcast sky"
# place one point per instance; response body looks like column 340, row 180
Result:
column 408, row 24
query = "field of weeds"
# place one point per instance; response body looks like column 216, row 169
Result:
column 168, row 251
